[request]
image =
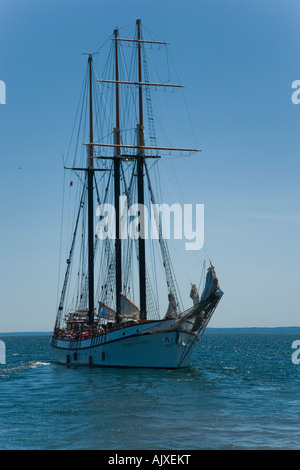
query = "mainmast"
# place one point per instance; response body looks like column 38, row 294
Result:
column 90, row 171
column 118, row 247
column 140, row 174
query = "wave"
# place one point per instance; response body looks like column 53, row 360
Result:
column 34, row 364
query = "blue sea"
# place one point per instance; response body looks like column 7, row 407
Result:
column 241, row 392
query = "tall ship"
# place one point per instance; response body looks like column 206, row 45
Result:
column 108, row 312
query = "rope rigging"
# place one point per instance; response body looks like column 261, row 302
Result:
column 103, row 123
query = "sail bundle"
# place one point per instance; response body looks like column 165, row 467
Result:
column 128, row 310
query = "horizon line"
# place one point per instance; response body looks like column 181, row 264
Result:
column 208, row 328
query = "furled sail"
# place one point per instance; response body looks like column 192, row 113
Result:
column 128, row 309
column 211, row 285
column 194, row 294
column 202, row 309
column 106, row 312
column 172, row 307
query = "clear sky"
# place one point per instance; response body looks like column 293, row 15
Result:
column 237, row 60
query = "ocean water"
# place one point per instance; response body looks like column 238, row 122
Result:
column 240, row 392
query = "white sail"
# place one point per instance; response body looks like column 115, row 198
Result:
column 106, row 312
column 194, row 294
column 211, row 284
column 172, row 307
column 128, row 309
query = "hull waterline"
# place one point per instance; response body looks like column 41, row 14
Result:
column 128, row 348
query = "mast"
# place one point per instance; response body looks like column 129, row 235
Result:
column 140, row 174
column 90, row 172
column 118, row 252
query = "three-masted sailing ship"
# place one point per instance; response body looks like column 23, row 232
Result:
column 103, row 325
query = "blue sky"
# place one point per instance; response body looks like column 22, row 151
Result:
column 237, row 60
